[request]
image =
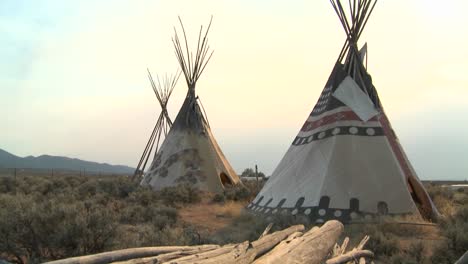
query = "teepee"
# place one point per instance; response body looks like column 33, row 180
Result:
column 346, row 162
column 162, row 89
column 190, row 154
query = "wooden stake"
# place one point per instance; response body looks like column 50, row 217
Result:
column 352, row 255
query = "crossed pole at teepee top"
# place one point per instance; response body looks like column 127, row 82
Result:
column 162, row 89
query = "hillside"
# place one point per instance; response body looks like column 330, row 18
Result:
column 8, row 160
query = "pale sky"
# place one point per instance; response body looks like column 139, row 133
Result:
column 73, row 75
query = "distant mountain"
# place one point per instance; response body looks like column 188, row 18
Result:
column 8, row 160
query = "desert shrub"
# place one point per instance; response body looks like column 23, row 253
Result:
column 254, row 187
column 133, row 214
column 7, row 184
column 444, row 255
column 382, row 244
column 45, row 230
column 144, row 196
column 24, row 184
column 218, row 198
column 245, row 227
column 43, row 187
column 416, row 250
column 455, row 229
column 74, row 181
column 436, row 191
column 140, row 235
column 285, row 220
column 91, row 230
column 250, row 172
column 64, row 216
column 248, row 226
column 181, row 194
column 119, row 187
column 59, row 185
column 164, row 217
column 174, row 236
column 237, row 193
column 414, row 254
column 403, row 259
column 87, row 189
column 143, row 235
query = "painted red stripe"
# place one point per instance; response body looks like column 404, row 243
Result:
column 392, row 139
column 340, row 116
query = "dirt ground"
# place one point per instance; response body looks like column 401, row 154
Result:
column 209, row 217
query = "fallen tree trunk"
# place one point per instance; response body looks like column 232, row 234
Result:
column 241, row 253
column 264, row 244
column 226, row 253
column 164, row 257
column 126, row 254
column 312, row 247
column 280, row 250
column 205, row 255
column 352, row 255
column 267, row 229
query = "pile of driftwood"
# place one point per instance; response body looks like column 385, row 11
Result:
column 291, row 245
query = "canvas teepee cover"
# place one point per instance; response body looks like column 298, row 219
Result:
column 346, row 162
column 190, row 153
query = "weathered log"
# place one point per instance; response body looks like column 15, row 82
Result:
column 281, row 249
column 241, row 253
column 312, row 231
column 205, row 255
column 264, row 244
column 230, row 252
column 236, row 255
column 126, row 254
column 164, row 257
column 267, row 229
column 363, row 242
column 312, row 247
column 344, row 246
column 340, row 250
column 288, row 240
column 351, row 255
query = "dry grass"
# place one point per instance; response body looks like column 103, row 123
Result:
column 208, row 217
column 396, row 238
column 229, row 209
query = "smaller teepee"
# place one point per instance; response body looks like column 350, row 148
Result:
column 162, row 89
column 190, row 154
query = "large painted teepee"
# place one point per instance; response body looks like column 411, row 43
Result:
column 346, row 162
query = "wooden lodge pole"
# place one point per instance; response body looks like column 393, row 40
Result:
column 256, row 177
